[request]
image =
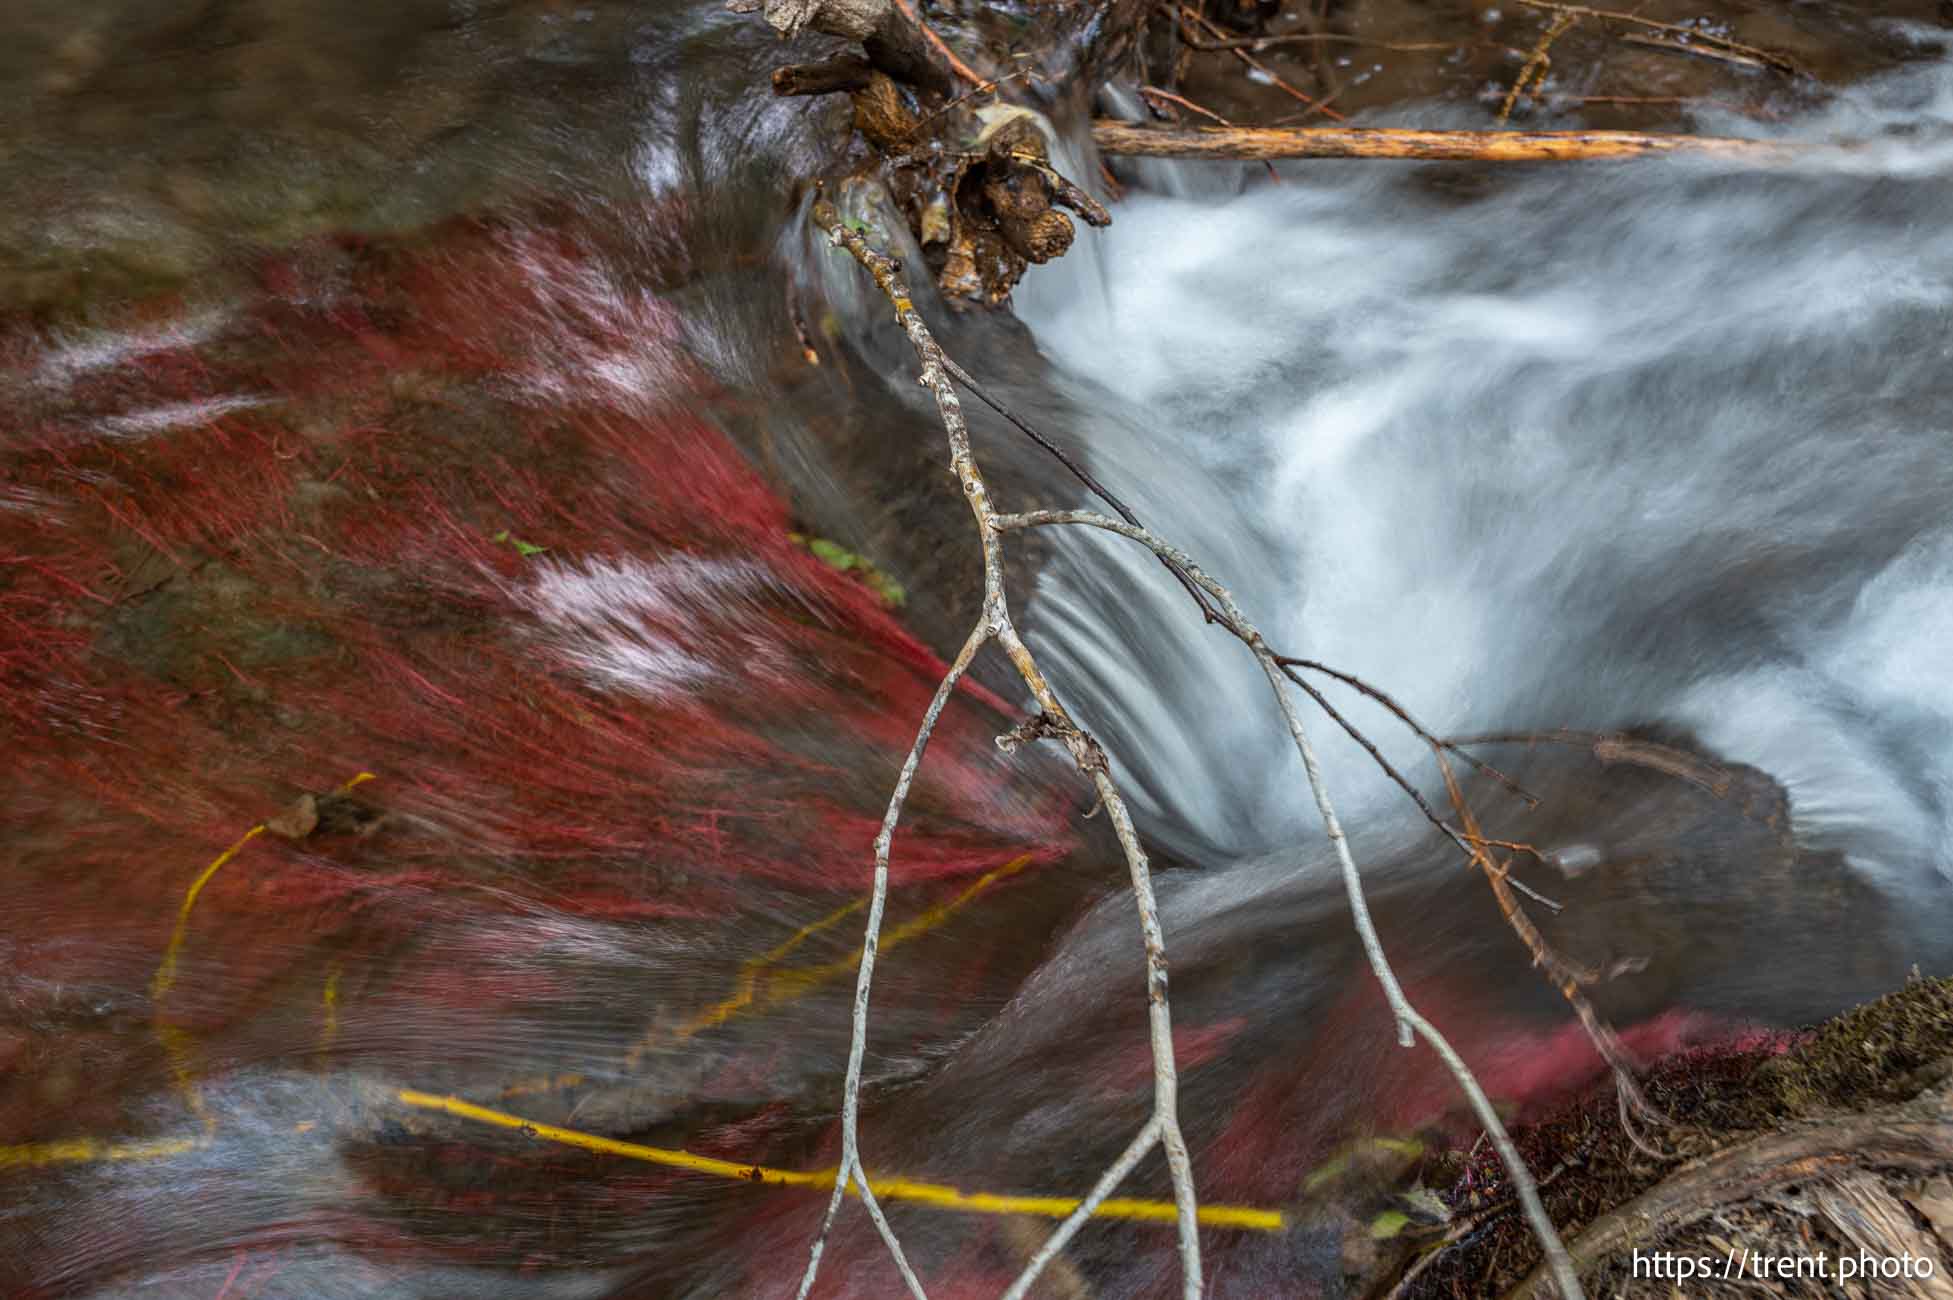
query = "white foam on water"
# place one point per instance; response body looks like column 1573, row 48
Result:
column 1592, row 447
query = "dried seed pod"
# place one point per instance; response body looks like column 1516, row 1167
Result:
column 881, row 114
column 1040, row 238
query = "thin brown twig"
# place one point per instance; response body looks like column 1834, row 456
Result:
column 1259, row 43
column 1326, row 80
column 1767, row 57
column 1154, row 92
column 1510, row 846
column 1256, row 64
column 1714, row 53
column 1417, row 729
column 942, row 50
column 1390, row 771
column 1538, row 62
column 1292, row 118
column 982, row 88
column 1613, row 747
column 1565, row 975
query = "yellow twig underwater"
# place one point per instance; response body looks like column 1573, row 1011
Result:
column 782, row 985
column 935, row 1195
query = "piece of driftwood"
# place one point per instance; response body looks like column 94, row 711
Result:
column 843, row 75
column 1262, row 144
column 1917, row 1135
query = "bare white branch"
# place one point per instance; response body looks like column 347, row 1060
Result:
column 1115, row 1174
column 865, row 976
column 888, row 1233
column 1559, row 1263
column 994, row 621
column 1409, row 1021
column 1092, row 762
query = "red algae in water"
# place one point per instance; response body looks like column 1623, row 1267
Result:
column 438, row 538
column 441, row 817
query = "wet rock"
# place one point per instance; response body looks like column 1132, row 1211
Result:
column 342, row 813
column 337, row 813
column 297, row 820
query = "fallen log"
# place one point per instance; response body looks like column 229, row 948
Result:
column 1915, row 1135
column 1264, row 144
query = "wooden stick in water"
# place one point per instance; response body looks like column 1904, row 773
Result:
column 1261, row 144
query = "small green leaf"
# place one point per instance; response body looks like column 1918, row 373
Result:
column 834, row 555
column 1388, row 1224
column 522, row 548
column 1427, row 1204
column 839, row 557
column 1329, row 1169
column 1410, row 1148
column 1373, row 1156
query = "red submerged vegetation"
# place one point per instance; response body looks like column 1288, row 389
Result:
column 446, row 514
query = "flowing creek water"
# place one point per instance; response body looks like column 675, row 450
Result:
column 448, row 709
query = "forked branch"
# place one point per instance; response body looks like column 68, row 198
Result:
column 1409, row 1021
column 994, row 622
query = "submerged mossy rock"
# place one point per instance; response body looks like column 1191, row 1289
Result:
column 1882, row 1051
